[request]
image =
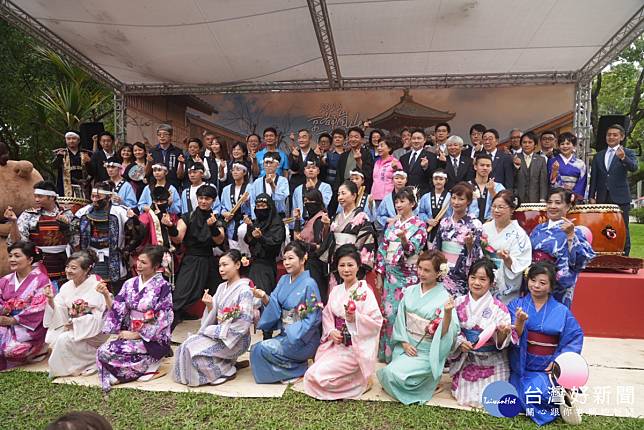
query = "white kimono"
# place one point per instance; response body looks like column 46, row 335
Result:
column 74, row 349
column 508, row 279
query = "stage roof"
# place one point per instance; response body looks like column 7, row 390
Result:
column 207, row 46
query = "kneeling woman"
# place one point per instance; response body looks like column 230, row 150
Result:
column 485, row 332
column 141, row 316
column 546, row 329
column 294, row 309
column 425, row 329
column 22, row 300
column 351, row 321
column 209, row 356
column 75, row 318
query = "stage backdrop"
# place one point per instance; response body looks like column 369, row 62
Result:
column 501, row 108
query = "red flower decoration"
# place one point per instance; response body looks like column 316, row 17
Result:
column 137, row 325
column 149, row 315
column 351, row 306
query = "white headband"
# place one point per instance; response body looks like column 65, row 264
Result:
column 101, row 192
column 240, row 166
column 270, row 159
column 71, row 134
column 439, row 175
column 400, row 173
column 355, row 172
column 160, row 166
column 113, row 164
column 42, row 192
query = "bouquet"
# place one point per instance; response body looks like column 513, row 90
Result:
column 79, row 308
column 309, row 306
column 148, row 317
column 430, row 329
column 488, row 250
column 13, row 307
column 354, row 297
column 228, row 313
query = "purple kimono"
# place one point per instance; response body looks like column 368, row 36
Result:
column 146, row 309
column 26, row 339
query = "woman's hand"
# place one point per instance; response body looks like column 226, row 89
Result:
column 521, row 316
column 568, row 227
column 101, row 287
column 7, row 321
column 336, row 336
column 129, row 335
column 505, row 256
column 469, row 242
column 410, row 350
column 207, row 299
column 350, row 317
column 467, row 346
column 503, row 330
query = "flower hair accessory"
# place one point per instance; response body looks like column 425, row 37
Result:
column 525, row 272
column 245, row 261
column 443, row 269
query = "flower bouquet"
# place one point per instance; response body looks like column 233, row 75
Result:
column 148, row 317
column 309, row 306
column 13, row 307
column 228, row 313
column 432, row 326
column 79, row 308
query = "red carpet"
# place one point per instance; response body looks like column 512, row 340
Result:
column 610, row 304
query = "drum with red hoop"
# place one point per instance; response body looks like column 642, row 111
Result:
column 529, row 215
column 606, row 223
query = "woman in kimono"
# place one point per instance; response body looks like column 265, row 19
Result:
column 509, row 244
column 458, row 237
column 433, row 202
column 425, row 329
column 141, row 316
column 74, row 319
column 293, row 309
column 545, row 329
column 396, row 260
column 209, row 356
column 346, row 359
column 559, row 242
column 366, row 201
column 264, row 237
column 485, row 332
column 386, row 211
column 22, row 303
column 567, row 171
column 313, row 234
column 235, row 227
column 160, row 173
column 350, row 225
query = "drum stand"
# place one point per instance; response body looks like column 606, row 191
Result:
column 611, row 262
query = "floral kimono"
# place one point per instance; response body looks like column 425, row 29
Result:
column 450, row 239
column 472, row 371
column 572, row 174
column 414, row 379
column 25, row 302
column 342, row 371
column 293, row 309
column 147, row 310
column 223, row 336
column 551, row 243
column 548, row 332
column 397, row 265
column 75, row 326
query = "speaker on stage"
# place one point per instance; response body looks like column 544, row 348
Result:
column 87, row 130
column 606, row 121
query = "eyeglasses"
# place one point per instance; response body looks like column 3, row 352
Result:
column 548, row 139
column 500, row 208
column 163, row 133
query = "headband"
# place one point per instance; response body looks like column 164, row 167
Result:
column 160, row 166
column 42, row 192
column 112, row 164
column 195, row 167
column 71, row 134
column 270, row 159
column 101, row 192
column 312, row 163
column 439, row 175
column 400, row 173
column 240, row 166
column 356, row 172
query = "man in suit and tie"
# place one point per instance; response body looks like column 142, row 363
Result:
column 531, row 180
column 608, row 176
column 357, row 156
column 502, row 166
column 459, row 166
column 300, row 155
column 419, row 163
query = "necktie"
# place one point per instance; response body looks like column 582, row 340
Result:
column 609, row 158
column 413, row 159
column 528, row 160
column 455, row 163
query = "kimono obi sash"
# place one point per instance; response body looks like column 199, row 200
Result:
column 452, row 251
column 341, row 326
column 289, row 317
column 542, row 256
column 472, row 335
column 542, row 344
column 343, row 239
column 416, row 326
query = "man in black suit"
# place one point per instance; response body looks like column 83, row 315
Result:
column 476, row 141
column 419, row 163
column 502, row 165
column 608, row 176
column 357, row 156
column 96, row 169
column 300, row 155
column 459, row 166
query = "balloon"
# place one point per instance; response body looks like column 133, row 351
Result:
column 587, row 233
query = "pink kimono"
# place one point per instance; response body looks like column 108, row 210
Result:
column 25, row 339
column 343, row 371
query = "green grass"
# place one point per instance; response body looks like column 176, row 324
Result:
column 637, row 240
column 30, row 401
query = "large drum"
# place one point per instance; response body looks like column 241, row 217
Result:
column 606, row 224
column 72, row 203
column 529, row 215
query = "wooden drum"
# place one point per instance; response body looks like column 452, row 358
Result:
column 606, row 224
column 72, row 203
column 529, row 215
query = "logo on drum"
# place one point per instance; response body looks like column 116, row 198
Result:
column 610, row 232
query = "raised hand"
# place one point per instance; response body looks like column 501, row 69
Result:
column 325, row 219
column 247, row 220
column 449, row 304
column 257, row 233
column 505, row 256
column 620, row 153
column 441, row 156
column 10, row 214
column 555, row 172
column 166, row 220
column 469, row 241
column 517, row 161
column 568, row 227
column 212, row 219
column 181, row 159
column 101, row 287
column 490, row 185
column 207, row 299
column 424, row 162
column 521, row 316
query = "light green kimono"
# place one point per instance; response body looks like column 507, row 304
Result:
column 414, row 379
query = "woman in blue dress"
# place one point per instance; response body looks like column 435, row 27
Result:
column 294, row 308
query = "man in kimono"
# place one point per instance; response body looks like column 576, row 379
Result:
column 271, row 183
column 71, row 164
column 189, row 194
column 124, row 194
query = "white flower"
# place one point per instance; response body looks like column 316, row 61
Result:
column 443, row 269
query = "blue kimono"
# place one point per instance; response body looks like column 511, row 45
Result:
column 298, row 196
column 283, row 167
column 186, row 203
column 279, row 196
column 474, row 211
column 552, row 325
column 550, row 239
column 571, row 176
column 146, row 200
column 426, row 211
column 228, row 201
column 126, row 193
column 286, row 356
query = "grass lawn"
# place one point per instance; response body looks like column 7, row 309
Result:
column 30, row 401
column 637, row 240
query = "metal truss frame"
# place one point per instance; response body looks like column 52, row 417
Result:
column 581, row 123
column 120, row 116
column 322, row 27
